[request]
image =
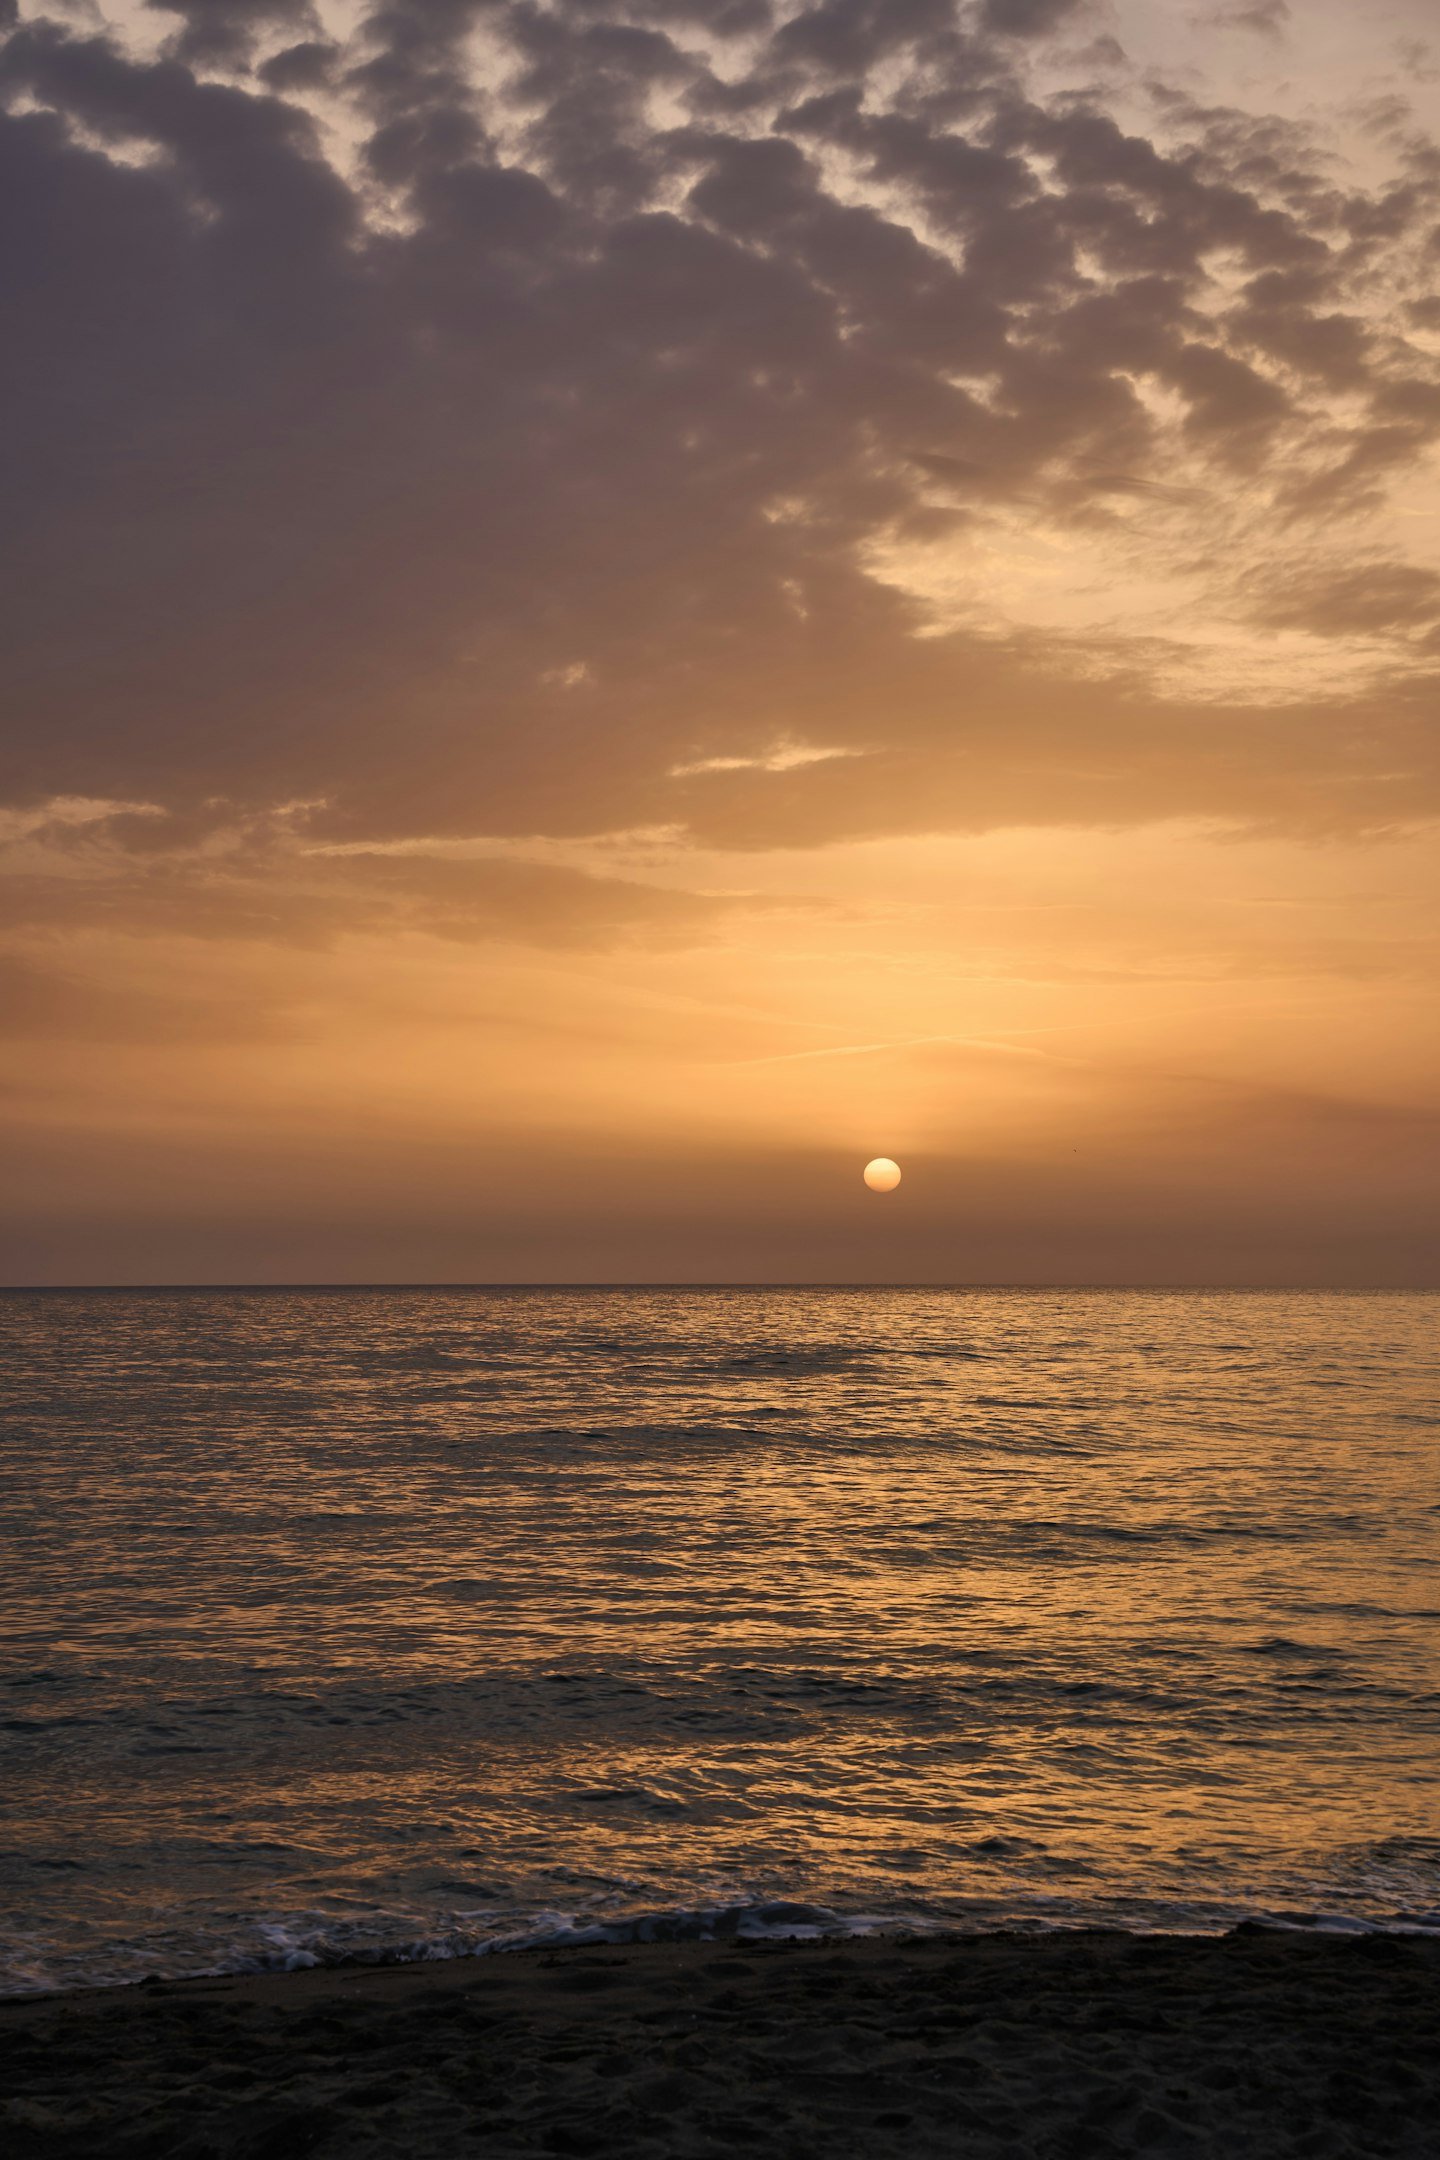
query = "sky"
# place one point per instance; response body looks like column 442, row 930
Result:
column 612, row 608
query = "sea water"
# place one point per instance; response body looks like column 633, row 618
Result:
column 415, row 1622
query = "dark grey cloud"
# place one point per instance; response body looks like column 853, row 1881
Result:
column 309, row 65
column 226, row 32
column 470, row 452
column 1027, row 18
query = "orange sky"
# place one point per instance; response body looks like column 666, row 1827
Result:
column 614, row 609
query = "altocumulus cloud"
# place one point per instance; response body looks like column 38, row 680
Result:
column 518, row 420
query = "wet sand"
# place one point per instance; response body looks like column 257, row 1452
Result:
column 1062, row 2048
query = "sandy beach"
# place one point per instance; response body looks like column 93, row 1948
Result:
column 1060, row 2047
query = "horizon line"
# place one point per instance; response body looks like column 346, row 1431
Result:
column 1243, row 1289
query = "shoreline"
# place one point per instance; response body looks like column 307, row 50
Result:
column 1059, row 2045
column 660, row 1931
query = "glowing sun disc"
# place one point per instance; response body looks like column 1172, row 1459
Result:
column 882, row 1175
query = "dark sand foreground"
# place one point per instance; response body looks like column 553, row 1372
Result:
column 1073, row 2047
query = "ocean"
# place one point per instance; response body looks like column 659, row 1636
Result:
column 404, row 1623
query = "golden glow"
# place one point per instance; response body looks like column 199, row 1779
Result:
column 971, row 684
column 882, row 1175
column 1158, row 1055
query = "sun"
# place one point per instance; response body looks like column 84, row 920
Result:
column 882, row 1175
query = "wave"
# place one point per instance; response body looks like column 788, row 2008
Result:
column 305, row 1941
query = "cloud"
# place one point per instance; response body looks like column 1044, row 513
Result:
column 1374, row 599
column 1027, row 18
column 490, row 427
column 215, row 876
column 44, row 1004
column 1266, row 18
column 227, row 32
